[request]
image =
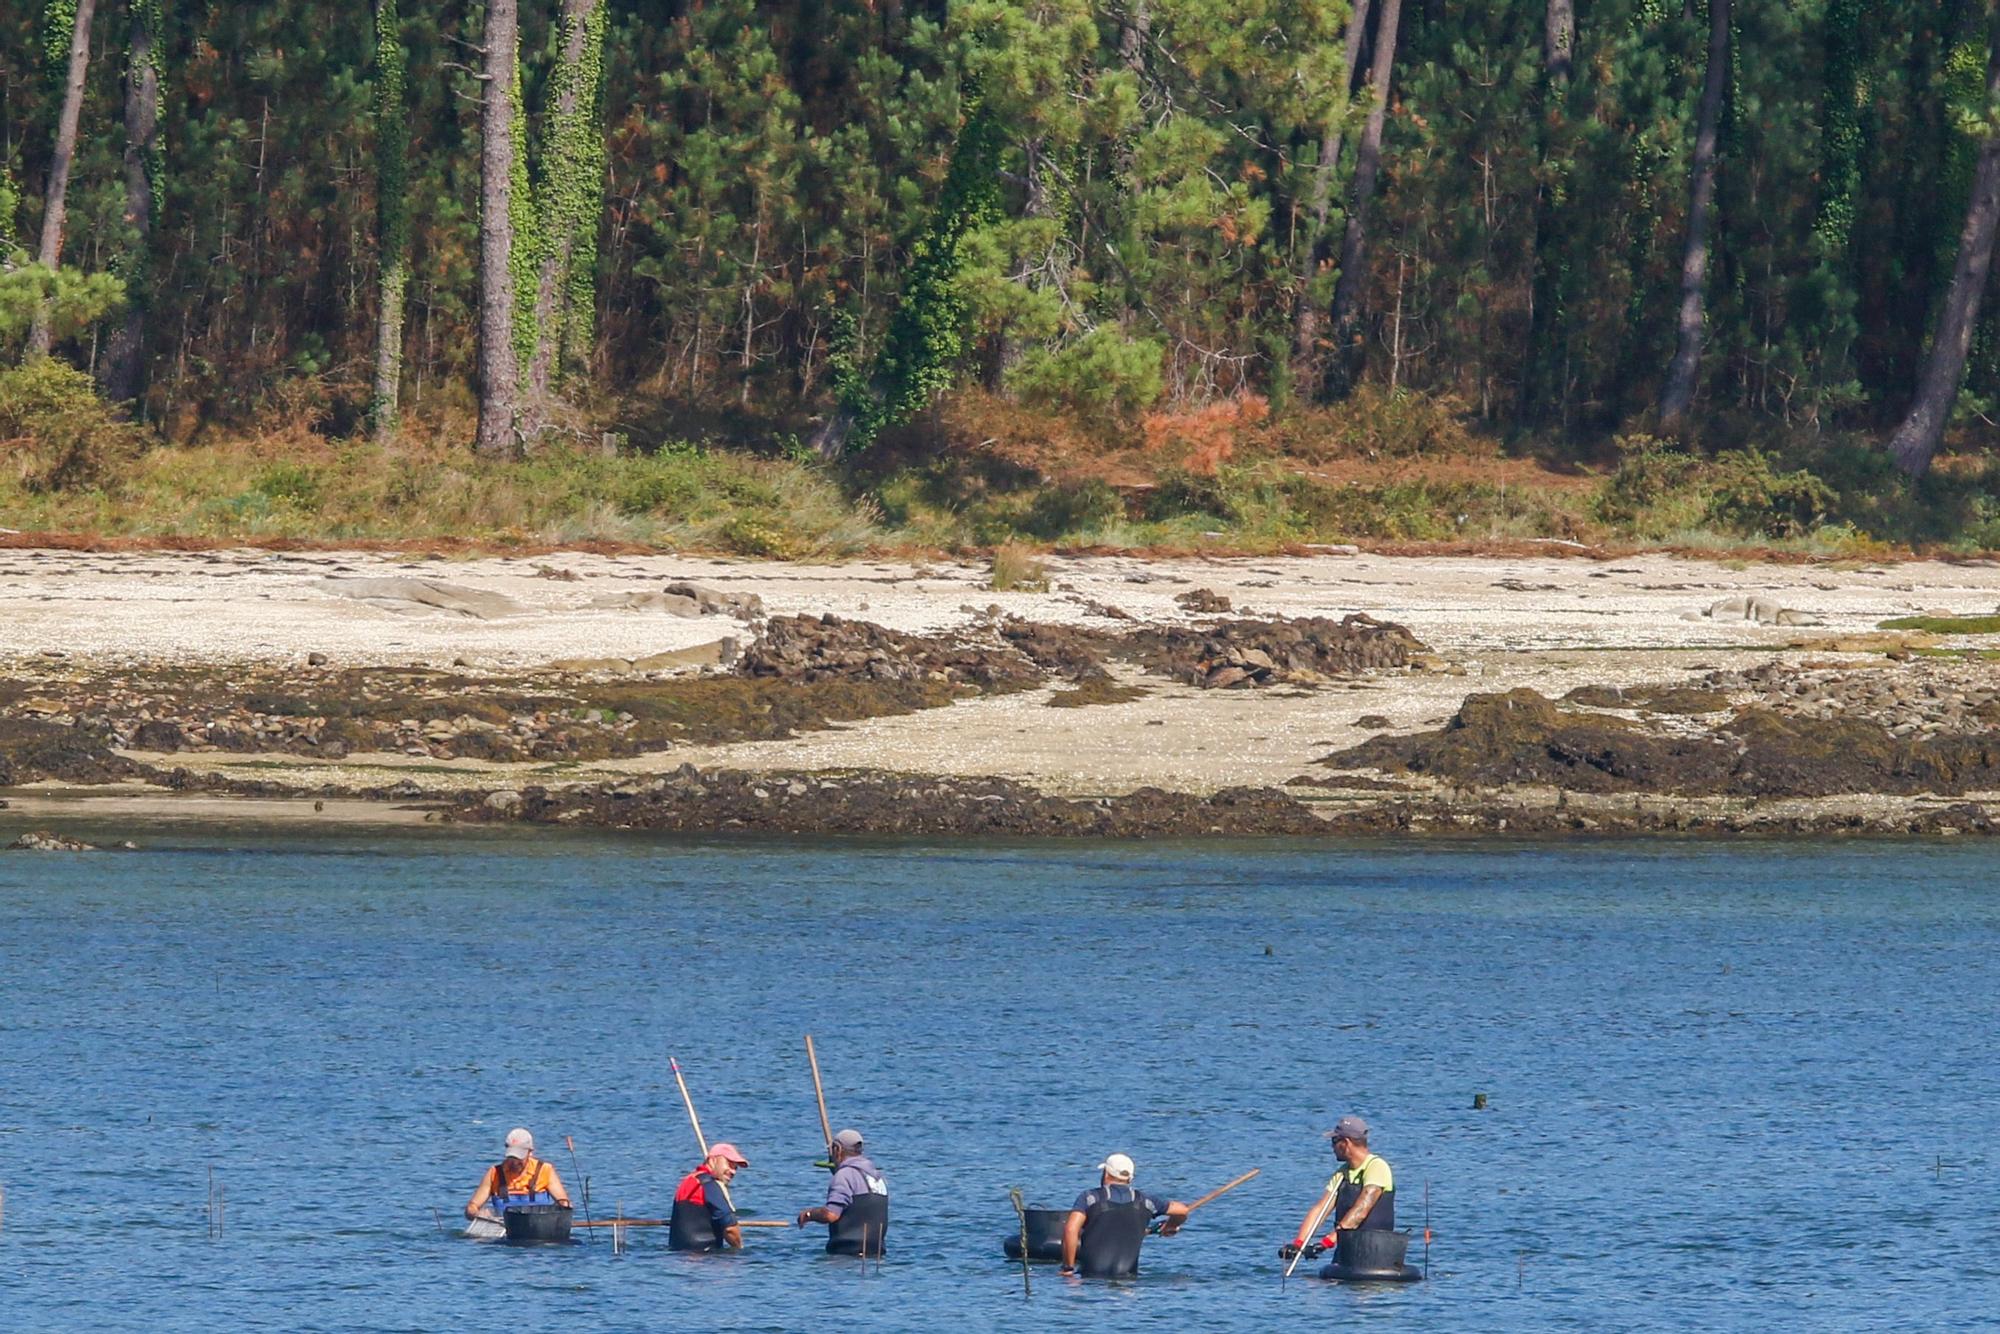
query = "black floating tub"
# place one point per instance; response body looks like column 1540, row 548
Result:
column 533, row 1223
column 1372, row 1255
column 1045, row 1233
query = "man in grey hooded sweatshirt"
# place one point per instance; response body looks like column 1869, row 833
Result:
column 856, row 1211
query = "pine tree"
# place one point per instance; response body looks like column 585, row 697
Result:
column 56, row 201
column 1691, row 327
column 499, row 201
column 125, row 359
column 392, row 214
column 1916, row 441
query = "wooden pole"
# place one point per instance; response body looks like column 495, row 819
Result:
column 1021, row 1212
column 819, row 1092
column 1224, row 1190
column 667, row 1223
column 695, row 1121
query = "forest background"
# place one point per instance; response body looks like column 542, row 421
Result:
column 796, row 279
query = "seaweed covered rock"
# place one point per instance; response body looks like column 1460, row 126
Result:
column 830, row 648
column 1520, row 737
column 32, row 750
column 1254, row 652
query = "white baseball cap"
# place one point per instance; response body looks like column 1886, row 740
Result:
column 520, row 1144
column 1118, row 1167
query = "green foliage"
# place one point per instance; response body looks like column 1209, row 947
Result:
column 56, row 434
column 1752, row 497
column 926, row 337
column 76, row 300
column 1650, row 470
column 1102, row 374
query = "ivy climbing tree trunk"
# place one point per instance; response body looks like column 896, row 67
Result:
column 570, row 200
column 1916, row 441
column 54, row 210
column 1315, row 253
column 499, row 368
column 1349, row 349
column 1691, row 325
column 124, row 376
column 1541, row 374
column 392, row 215
column 925, row 341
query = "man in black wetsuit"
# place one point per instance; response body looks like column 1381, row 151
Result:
column 1107, row 1224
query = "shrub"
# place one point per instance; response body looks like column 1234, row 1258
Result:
column 1751, row 497
column 1649, row 471
column 60, row 434
column 1065, row 508
column 1103, row 374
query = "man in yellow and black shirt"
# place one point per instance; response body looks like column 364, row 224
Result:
column 1362, row 1194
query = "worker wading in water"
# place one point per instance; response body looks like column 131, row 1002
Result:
column 703, row 1219
column 1362, row 1192
column 517, row 1180
column 856, row 1211
column 1108, row 1223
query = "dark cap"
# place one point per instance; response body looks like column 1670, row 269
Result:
column 1350, row 1127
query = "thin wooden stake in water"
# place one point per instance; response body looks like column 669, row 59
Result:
column 582, row 1181
column 437, row 1218
column 3, row 1207
column 1427, row 1228
column 1021, row 1212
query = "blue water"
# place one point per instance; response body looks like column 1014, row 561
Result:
column 1731, row 1086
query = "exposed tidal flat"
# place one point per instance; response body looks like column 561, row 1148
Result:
column 1729, row 1086
column 1548, row 690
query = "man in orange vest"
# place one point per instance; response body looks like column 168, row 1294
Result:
column 518, row 1179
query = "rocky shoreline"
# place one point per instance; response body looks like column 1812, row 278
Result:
column 1337, row 721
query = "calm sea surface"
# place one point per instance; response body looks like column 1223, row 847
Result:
column 1731, row 1086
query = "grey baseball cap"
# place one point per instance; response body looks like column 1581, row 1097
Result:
column 1350, row 1127
column 847, row 1139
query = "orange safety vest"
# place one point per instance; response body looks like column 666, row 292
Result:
column 523, row 1186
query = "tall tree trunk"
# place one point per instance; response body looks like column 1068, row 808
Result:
column 50, row 254
column 1305, row 315
column 571, row 202
column 499, row 369
column 1692, row 324
column 1545, row 313
column 1349, row 351
column 1558, row 40
column 1916, row 441
column 125, row 360
column 392, row 215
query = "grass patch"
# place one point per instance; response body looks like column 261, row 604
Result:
column 1945, row 625
column 978, row 473
column 1016, row 570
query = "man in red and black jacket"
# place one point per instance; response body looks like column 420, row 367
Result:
column 704, row 1218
